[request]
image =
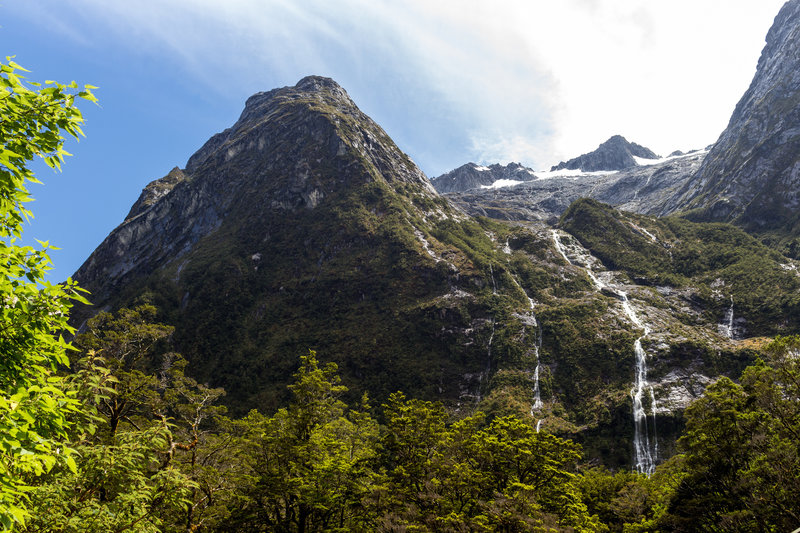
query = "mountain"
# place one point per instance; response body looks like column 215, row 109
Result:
column 614, row 154
column 472, row 176
column 646, row 188
column 751, row 176
column 303, row 226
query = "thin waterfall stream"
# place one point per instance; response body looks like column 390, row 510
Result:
column 645, row 452
column 727, row 328
column 531, row 320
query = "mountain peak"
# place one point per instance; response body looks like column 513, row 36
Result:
column 474, row 176
column 616, row 153
column 316, row 83
column 292, row 149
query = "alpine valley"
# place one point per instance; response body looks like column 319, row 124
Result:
column 598, row 299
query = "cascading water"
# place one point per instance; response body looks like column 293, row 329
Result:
column 484, row 376
column 537, row 395
column 645, row 452
column 531, row 320
column 726, row 328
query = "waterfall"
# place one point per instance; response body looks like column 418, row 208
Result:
column 530, row 320
column 537, row 396
column 485, row 374
column 645, row 452
column 726, row 328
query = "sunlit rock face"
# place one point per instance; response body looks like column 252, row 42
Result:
column 752, row 174
column 290, row 148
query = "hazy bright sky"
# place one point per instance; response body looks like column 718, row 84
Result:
column 452, row 81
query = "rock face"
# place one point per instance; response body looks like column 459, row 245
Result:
column 643, row 189
column 752, row 174
column 472, row 176
column 614, row 154
column 269, row 159
column 154, row 191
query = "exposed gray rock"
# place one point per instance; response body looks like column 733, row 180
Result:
column 643, row 189
column 472, row 176
column 752, row 174
column 614, row 154
column 154, row 191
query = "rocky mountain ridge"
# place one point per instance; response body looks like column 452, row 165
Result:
column 644, row 189
column 614, row 154
column 175, row 212
column 473, row 176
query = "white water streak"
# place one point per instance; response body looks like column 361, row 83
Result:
column 537, row 404
column 727, row 328
column 645, row 452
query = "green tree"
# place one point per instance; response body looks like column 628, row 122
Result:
column 741, row 455
column 310, row 463
column 477, row 476
column 126, row 342
column 34, row 408
column 141, row 417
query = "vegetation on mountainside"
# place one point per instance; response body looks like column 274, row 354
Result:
column 353, row 281
column 719, row 260
column 165, row 458
column 35, row 408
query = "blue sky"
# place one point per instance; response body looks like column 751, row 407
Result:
column 451, row 81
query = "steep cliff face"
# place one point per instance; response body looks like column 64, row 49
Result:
column 614, row 154
column 752, row 174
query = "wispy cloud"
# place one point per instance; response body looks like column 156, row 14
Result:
column 458, row 80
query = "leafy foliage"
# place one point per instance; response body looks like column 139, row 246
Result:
column 34, row 408
column 141, row 467
column 741, row 454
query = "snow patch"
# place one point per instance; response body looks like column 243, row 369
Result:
column 480, row 168
column 644, row 162
column 502, row 183
column 574, row 174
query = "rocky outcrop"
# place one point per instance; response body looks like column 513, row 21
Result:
column 643, row 189
column 614, row 154
column 752, row 174
column 472, row 176
column 156, row 190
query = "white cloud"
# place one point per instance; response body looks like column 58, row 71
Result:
column 521, row 80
